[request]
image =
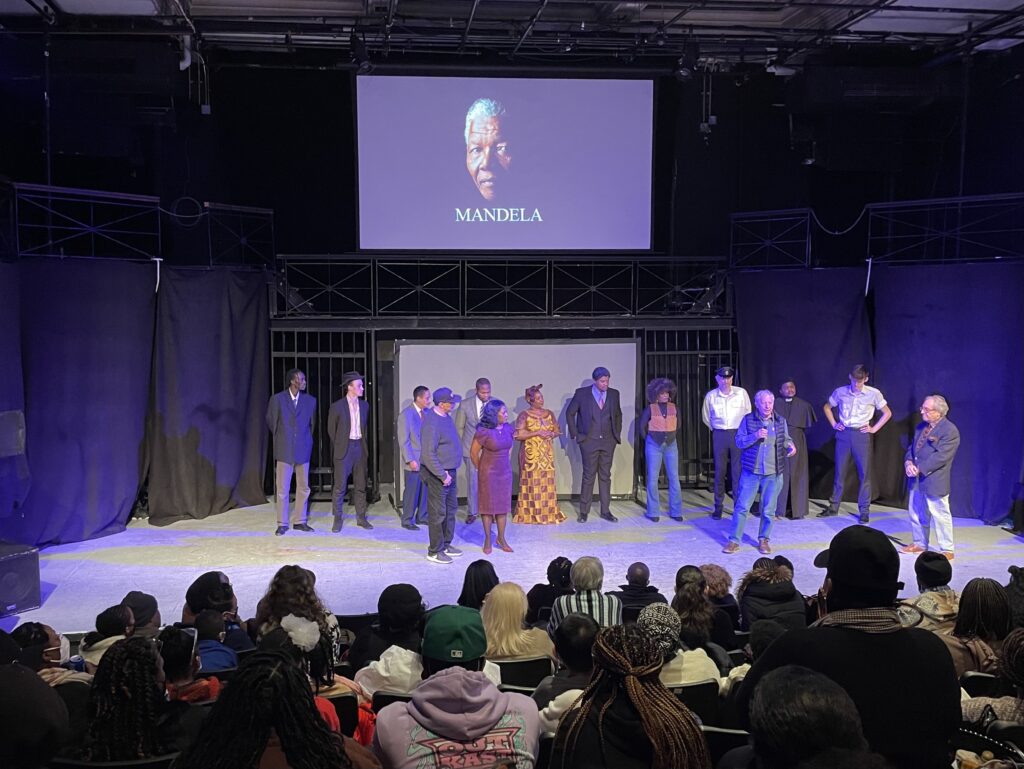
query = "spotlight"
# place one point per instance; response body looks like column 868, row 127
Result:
column 360, row 54
column 686, row 67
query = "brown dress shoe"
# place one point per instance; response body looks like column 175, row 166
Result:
column 731, row 547
column 911, row 549
column 949, row 555
column 763, row 547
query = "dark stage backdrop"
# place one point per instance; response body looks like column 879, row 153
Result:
column 956, row 330
column 14, row 475
column 210, row 390
column 810, row 325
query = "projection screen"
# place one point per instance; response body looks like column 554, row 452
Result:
column 512, row 366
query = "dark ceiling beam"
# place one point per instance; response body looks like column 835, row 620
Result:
column 530, row 26
column 44, row 10
column 469, row 23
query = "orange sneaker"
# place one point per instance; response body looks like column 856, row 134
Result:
column 731, row 547
column 911, row 549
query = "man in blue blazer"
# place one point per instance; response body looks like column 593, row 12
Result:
column 290, row 417
column 410, row 427
column 347, row 425
column 928, row 465
column 594, row 419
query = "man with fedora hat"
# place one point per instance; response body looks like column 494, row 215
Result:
column 346, row 425
column 723, row 410
column 440, row 457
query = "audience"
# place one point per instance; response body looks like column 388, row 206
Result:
column 638, row 592
column 33, row 719
column 701, row 622
column 400, row 612
column 662, row 625
column 719, row 583
column 1011, row 669
column 762, row 634
column 479, row 580
column 574, row 643
column 214, row 654
column 982, row 622
column 145, row 611
column 626, row 717
column 112, row 625
column 587, row 577
column 543, row 596
column 213, row 590
column 504, row 618
column 767, row 592
column 901, row 679
column 457, row 716
column 293, row 591
column 179, row 649
column 936, row 607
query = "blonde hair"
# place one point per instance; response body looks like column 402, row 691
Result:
column 504, row 614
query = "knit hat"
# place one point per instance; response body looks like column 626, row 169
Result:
column 400, row 607
column 143, row 606
column 454, row 634
column 861, row 557
column 933, row 569
column 661, row 623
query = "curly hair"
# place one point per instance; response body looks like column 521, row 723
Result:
column 657, row 386
column 558, row 573
column 627, row 663
column 291, row 591
column 125, row 704
column 269, row 694
column 691, row 604
column 718, row 579
column 532, row 392
column 489, row 413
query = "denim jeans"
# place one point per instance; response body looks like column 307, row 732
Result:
column 655, row 453
column 750, row 483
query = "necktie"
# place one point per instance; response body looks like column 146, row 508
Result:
column 600, row 401
column 421, row 414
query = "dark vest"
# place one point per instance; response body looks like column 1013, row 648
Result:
column 753, row 424
column 603, row 423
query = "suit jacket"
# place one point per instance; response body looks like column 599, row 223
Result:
column 466, row 421
column 583, row 413
column 410, row 425
column 339, row 425
column 934, row 459
column 292, row 429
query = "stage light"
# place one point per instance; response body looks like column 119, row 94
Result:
column 360, row 54
column 686, row 67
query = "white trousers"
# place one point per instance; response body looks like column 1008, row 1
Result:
column 926, row 511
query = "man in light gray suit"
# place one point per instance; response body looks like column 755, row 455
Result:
column 410, row 425
column 466, row 420
column 290, row 417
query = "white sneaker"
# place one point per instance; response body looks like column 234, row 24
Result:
column 438, row 558
column 452, row 552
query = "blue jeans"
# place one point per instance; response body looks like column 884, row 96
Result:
column 669, row 452
column 750, row 484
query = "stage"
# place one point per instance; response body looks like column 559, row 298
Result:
column 79, row 580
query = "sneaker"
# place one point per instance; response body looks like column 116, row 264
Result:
column 452, row 552
column 731, row 548
column 910, row 549
column 763, row 547
column 438, row 558
column 828, row 512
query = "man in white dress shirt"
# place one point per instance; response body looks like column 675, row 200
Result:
column 467, row 418
column 724, row 409
column 849, row 410
column 347, row 424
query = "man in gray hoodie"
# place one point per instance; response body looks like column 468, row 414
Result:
column 440, row 457
column 457, row 716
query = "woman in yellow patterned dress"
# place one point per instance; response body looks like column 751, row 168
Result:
column 537, row 428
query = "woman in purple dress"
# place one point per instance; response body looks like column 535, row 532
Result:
column 489, row 454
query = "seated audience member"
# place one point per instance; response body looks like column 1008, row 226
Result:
column 1015, row 592
column 33, row 719
column 767, row 592
column 400, row 613
column 841, row 758
column 982, row 622
column 682, row 666
column 587, row 577
column 267, row 719
column 213, row 590
column 762, row 633
column 504, row 618
column 293, row 591
column 543, row 596
column 179, row 650
column 479, row 580
column 795, row 715
column 700, row 621
column 301, row 640
column 574, row 644
column 901, row 679
column 936, row 607
column 1010, row 668
column 213, row 652
column 638, row 592
column 457, row 716
column 719, row 585
column 626, row 718
column 42, row 649
column 146, row 612
column 112, row 625
column 129, row 717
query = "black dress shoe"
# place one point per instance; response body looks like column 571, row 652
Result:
column 717, row 515
column 609, row 517
column 828, row 512
column 676, row 517
column 337, row 525
column 864, row 518
column 280, row 531
column 581, row 518
column 651, row 518
column 470, row 518
column 362, row 523
column 302, row 527
column 410, row 526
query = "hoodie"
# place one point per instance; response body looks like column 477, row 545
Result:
column 458, row 717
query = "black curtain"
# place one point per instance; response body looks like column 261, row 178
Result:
column 956, row 330
column 812, row 326
column 86, row 346
column 14, row 474
column 210, row 389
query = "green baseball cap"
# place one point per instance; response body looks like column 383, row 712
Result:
column 454, row 634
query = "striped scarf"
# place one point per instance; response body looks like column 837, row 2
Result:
column 875, row 620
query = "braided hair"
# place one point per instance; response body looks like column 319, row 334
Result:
column 984, row 611
column 627, row 662
column 269, row 693
column 1011, row 660
column 126, row 704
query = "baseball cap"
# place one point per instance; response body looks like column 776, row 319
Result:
column 861, row 557
column 454, row 634
column 445, row 395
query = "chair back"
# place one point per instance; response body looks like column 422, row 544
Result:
column 382, row 699
column 525, row 673
column 737, row 657
column 347, row 708
column 1008, row 732
column 985, row 685
column 544, row 752
column 702, row 698
column 721, row 741
column 154, row 762
column 967, row 738
column 630, row 614
column 350, row 625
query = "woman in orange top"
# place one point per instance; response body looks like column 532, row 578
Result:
column 658, row 426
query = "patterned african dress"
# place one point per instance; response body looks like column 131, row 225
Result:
column 538, row 501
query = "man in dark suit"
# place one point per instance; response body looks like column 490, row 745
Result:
column 290, row 417
column 467, row 419
column 347, row 424
column 410, row 427
column 594, row 418
column 928, row 465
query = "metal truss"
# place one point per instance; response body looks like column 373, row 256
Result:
column 239, row 235
column 770, row 238
column 487, row 287
column 976, row 228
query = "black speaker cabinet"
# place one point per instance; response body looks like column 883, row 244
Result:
column 19, row 578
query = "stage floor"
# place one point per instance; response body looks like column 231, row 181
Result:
column 352, row 567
